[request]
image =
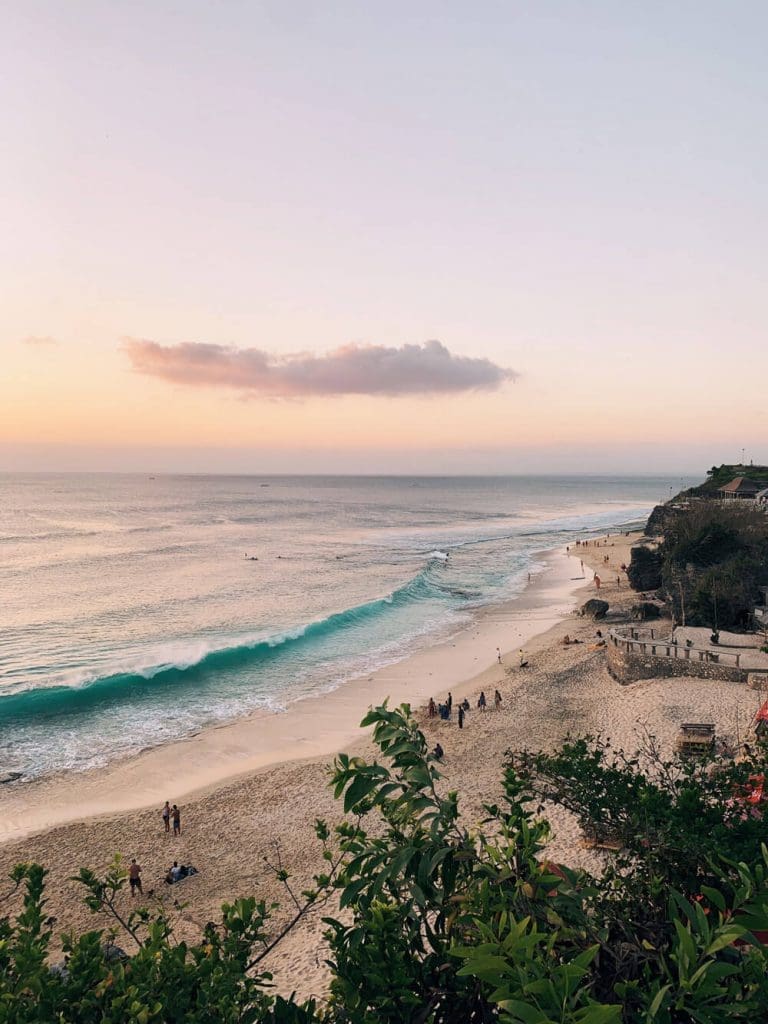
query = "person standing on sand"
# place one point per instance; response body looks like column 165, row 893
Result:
column 481, row 700
column 497, row 700
column 432, row 707
column 134, row 877
column 449, row 703
column 176, row 815
column 498, row 655
column 461, row 717
column 167, row 816
column 597, row 581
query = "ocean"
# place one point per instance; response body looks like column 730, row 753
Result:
column 138, row 610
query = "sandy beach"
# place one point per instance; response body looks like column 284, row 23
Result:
column 246, row 787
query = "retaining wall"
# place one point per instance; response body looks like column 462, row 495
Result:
column 629, row 662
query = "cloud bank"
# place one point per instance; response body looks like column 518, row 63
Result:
column 427, row 369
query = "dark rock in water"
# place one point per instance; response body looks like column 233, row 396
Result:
column 594, row 608
column 644, row 572
column 644, row 611
column 9, row 777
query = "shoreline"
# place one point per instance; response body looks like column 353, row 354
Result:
column 233, row 831
column 315, row 726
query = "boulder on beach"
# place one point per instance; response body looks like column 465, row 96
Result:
column 644, row 611
column 594, row 608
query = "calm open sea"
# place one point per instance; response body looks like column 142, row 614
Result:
column 131, row 616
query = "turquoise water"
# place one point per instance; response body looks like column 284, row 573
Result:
column 132, row 617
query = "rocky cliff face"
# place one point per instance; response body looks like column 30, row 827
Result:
column 644, row 572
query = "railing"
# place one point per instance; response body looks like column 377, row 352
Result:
column 666, row 647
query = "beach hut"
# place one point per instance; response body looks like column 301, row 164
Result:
column 740, row 487
column 695, row 739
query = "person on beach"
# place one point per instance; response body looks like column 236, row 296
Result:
column 597, row 581
column 523, row 659
column 497, row 700
column 461, row 717
column 465, row 704
column 438, row 752
column 481, row 700
column 176, row 815
column 167, row 816
column 498, row 655
column 449, row 703
column 134, row 877
column 432, row 707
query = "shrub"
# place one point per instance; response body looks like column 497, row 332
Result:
column 445, row 924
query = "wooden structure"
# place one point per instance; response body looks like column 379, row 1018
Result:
column 740, row 487
column 695, row 739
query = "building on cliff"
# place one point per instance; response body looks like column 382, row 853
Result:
column 740, row 487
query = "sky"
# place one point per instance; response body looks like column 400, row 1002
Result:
column 357, row 237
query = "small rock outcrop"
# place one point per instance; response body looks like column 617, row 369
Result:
column 594, row 608
column 644, row 611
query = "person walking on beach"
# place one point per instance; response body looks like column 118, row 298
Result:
column 176, row 815
column 167, row 816
column 134, row 877
column 449, row 703
column 497, row 700
column 498, row 655
column 432, row 707
column 461, row 717
column 481, row 700
column 597, row 581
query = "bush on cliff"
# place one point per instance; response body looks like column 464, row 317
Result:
column 715, row 559
column 441, row 923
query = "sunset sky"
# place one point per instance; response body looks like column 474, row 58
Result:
column 402, row 237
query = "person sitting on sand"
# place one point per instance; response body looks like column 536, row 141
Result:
column 481, row 700
column 465, row 704
column 438, row 752
column 566, row 639
column 497, row 700
column 173, row 873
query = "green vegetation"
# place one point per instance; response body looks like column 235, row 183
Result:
column 714, row 560
column 719, row 476
column 445, row 924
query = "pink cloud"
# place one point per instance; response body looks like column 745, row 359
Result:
column 350, row 370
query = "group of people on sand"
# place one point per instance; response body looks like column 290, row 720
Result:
column 444, row 709
column 171, row 815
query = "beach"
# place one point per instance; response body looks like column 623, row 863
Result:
column 253, row 788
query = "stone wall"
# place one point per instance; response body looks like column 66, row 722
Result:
column 628, row 663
